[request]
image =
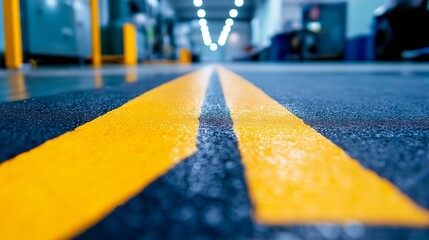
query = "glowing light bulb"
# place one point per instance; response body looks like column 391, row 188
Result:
column 201, row 13
column 203, row 22
column 233, row 13
column 213, row 47
column 198, row 3
column 239, row 3
column 205, row 29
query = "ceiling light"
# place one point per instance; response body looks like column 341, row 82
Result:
column 201, row 13
column 206, row 35
column 198, row 3
column 208, row 42
column 233, row 13
column 223, row 38
column 213, row 47
column 51, row 3
column 205, row 29
column 203, row 22
column 229, row 22
column 239, row 3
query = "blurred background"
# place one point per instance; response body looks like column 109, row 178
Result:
column 52, row 32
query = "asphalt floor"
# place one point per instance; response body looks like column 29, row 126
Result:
column 380, row 119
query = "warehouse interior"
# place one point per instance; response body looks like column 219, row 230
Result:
column 214, row 119
column 39, row 35
column 73, row 31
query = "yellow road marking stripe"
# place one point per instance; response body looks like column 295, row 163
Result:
column 69, row 183
column 297, row 176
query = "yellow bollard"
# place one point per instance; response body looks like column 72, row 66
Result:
column 130, row 44
column 12, row 30
column 185, row 56
column 95, row 32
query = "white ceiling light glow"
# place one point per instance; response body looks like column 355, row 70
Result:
column 239, row 3
column 201, row 13
column 213, row 47
column 205, row 32
column 198, row 3
column 205, row 29
column 233, row 13
column 203, row 22
column 207, row 42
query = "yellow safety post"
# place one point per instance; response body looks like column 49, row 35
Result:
column 12, row 30
column 130, row 44
column 185, row 56
column 95, row 32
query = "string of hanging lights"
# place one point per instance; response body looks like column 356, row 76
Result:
column 205, row 30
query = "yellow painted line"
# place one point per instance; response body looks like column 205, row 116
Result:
column 66, row 185
column 297, row 176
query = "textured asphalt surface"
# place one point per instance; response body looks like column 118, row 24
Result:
column 380, row 120
column 29, row 123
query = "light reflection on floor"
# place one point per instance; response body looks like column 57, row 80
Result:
column 30, row 83
column 20, row 85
